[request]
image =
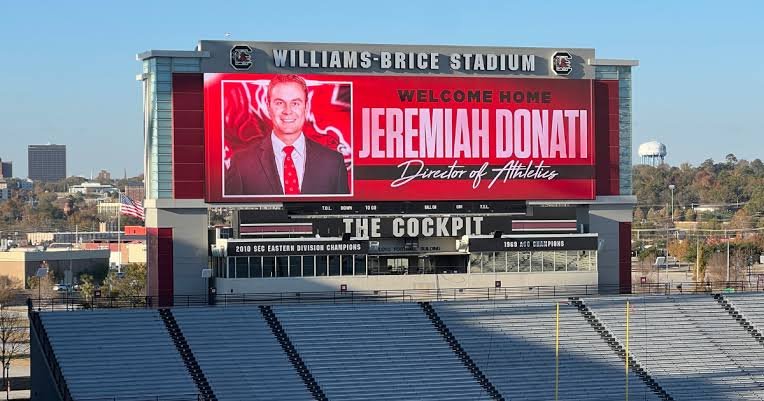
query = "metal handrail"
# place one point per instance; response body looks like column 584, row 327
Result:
column 67, row 302
column 174, row 397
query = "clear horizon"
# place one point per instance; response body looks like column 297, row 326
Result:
column 70, row 67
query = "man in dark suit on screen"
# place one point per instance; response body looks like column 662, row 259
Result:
column 286, row 162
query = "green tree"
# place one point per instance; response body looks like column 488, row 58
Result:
column 741, row 220
column 689, row 215
column 756, row 203
column 130, row 285
column 87, row 288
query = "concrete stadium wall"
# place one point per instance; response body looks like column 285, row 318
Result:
column 403, row 282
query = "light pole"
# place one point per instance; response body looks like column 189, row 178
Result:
column 671, row 187
column 41, row 272
column 728, row 258
column 7, row 368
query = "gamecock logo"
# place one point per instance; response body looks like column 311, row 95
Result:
column 241, row 57
column 562, row 63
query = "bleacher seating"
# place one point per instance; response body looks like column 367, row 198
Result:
column 689, row 344
column 239, row 355
column 124, row 354
column 377, row 352
column 751, row 306
column 513, row 343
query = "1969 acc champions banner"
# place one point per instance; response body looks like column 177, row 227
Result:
column 396, row 138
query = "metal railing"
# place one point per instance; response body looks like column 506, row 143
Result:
column 78, row 302
column 35, row 324
column 174, row 397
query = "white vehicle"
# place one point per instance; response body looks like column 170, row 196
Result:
column 666, row 261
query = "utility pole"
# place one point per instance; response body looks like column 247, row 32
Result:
column 728, row 257
column 697, row 259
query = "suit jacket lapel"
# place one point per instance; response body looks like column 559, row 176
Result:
column 268, row 164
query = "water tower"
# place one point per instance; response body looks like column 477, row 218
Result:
column 652, row 153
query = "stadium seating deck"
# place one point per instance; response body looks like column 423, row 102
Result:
column 239, row 355
column 513, row 343
column 117, row 354
column 689, row 344
column 377, row 352
column 751, row 306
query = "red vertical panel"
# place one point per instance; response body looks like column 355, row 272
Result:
column 606, row 137
column 188, row 136
column 159, row 246
column 624, row 257
column 152, row 263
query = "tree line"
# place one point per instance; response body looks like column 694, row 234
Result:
column 48, row 207
column 716, row 206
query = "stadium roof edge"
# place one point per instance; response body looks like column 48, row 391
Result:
column 171, row 53
column 611, row 61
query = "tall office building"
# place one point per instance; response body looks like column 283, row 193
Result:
column 47, row 162
column 6, row 169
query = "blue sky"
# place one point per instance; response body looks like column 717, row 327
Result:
column 68, row 68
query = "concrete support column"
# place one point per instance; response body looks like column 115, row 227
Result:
column 607, row 216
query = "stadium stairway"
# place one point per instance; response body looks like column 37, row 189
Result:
column 619, row 349
column 239, row 354
column 734, row 311
column 688, row 344
column 516, row 347
column 460, row 352
column 188, row 356
column 294, row 356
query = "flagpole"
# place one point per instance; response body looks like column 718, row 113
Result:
column 119, row 233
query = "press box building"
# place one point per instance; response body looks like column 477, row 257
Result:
column 464, row 167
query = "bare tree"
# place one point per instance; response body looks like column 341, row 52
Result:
column 9, row 287
column 14, row 340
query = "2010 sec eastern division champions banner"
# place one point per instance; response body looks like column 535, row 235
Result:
column 275, row 137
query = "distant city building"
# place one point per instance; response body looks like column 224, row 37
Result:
column 64, row 262
column 109, row 208
column 47, row 162
column 5, row 192
column 26, row 185
column 74, row 237
column 136, row 192
column 6, row 169
column 103, row 175
column 91, row 188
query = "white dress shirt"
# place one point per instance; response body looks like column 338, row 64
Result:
column 298, row 157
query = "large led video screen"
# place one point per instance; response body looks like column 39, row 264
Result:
column 279, row 137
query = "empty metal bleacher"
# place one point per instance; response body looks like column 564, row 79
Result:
column 689, row 344
column 377, row 352
column 124, row 354
column 513, row 343
column 239, row 355
column 751, row 305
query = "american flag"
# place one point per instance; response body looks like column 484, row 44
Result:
column 130, row 207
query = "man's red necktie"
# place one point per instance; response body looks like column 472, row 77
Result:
column 291, row 184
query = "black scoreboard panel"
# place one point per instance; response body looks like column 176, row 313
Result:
column 289, row 247
column 557, row 243
column 404, row 208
